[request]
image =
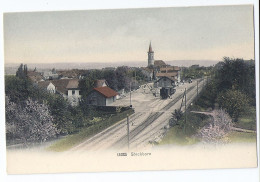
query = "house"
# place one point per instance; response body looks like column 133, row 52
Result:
column 71, row 74
column 159, row 63
column 195, row 66
column 166, row 85
column 100, row 83
column 50, row 75
column 68, row 88
column 166, row 82
column 102, row 96
column 47, row 86
column 171, row 75
column 121, row 93
column 35, row 76
column 172, row 69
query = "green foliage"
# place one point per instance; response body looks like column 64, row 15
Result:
column 207, row 96
column 176, row 116
column 22, row 71
column 242, row 137
column 234, row 101
column 60, row 112
column 195, row 72
column 110, row 77
column 18, row 89
column 237, row 74
column 176, row 136
column 29, row 122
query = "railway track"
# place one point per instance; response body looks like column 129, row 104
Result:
column 113, row 129
column 122, row 142
column 96, row 141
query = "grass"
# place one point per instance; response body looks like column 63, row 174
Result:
column 176, row 136
column 85, row 133
column 236, row 137
column 247, row 120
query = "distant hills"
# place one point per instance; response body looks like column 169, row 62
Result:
column 10, row 68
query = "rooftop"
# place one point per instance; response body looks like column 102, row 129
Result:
column 106, row 91
column 171, row 74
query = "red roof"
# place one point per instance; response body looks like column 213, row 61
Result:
column 106, row 91
column 159, row 63
column 171, row 74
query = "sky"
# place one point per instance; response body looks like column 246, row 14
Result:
column 182, row 33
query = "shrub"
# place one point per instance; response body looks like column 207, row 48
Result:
column 219, row 125
column 234, row 102
column 29, row 123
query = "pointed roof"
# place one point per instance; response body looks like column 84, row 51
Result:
column 159, row 63
column 100, row 83
column 44, row 84
column 150, row 47
column 106, row 91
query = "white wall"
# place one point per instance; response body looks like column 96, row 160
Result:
column 76, row 94
column 51, row 88
column 110, row 100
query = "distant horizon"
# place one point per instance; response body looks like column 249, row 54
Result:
column 107, row 62
column 11, row 68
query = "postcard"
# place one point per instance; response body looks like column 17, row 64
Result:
column 142, row 89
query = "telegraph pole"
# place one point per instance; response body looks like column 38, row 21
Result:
column 135, row 79
column 185, row 113
column 128, row 138
column 130, row 96
column 197, row 88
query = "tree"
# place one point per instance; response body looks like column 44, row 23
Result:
column 237, row 74
column 176, row 116
column 110, row 77
column 19, row 90
column 234, row 102
column 220, row 124
column 29, row 123
column 122, row 77
column 22, row 71
column 62, row 118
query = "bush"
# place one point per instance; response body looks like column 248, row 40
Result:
column 234, row 102
column 176, row 116
column 29, row 123
column 219, row 125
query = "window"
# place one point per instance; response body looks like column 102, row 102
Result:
column 73, row 92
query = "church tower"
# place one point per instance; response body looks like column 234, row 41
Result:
column 150, row 56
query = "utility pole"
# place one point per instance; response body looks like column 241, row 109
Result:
column 130, row 96
column 185, row 113
column 128, row 138
column 197, row 88
column 135, row 80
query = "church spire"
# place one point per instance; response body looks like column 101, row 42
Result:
column 150, row 55
column 150, row 47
